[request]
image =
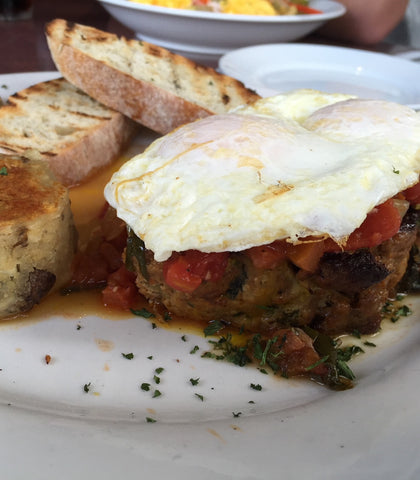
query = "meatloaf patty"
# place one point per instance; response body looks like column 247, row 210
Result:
column 346, row 292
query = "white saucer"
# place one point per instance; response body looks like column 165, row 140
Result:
column 276, row 68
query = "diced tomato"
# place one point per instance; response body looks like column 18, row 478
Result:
column 178, row 275
column 307, row 10
column 306, row 255
column 122, row 277
column 209, row 266
column 412, row 194
column 382, row 223
column 186, row 271
column 268, row 256
column 304, row 8
column 121, row 291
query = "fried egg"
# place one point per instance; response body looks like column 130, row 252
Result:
column 292, row 166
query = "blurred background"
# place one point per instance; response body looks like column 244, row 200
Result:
column 23, row 47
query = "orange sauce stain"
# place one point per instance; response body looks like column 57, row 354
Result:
column 217, row 435
column 104, row 345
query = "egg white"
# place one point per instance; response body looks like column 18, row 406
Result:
column 290, row 166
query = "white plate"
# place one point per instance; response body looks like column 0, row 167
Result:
column 51, row 428
column 274, row 68
column 205, row 36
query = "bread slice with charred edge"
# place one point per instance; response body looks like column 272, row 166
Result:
column 151, row 85
column 37, row 234
column 56, row 122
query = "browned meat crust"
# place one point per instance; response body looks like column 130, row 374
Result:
column 345, row 294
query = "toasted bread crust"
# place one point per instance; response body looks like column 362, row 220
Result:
column 55, row 122
column 155, row 87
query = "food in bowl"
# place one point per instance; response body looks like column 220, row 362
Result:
column 251, row 7
column 290, row 218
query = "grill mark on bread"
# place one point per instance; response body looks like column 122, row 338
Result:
column 153, row 49
column 70, row 26
column 56, row 122
column 225, row 98
column 17, row 96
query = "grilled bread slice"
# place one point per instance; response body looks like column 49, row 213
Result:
column 151, row 85
column 37, row 234
column 56, row 122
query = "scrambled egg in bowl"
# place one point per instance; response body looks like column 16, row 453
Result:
column 249, row 7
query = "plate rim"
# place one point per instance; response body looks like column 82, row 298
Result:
column 345, row 434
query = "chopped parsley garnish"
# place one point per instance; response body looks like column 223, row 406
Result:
column 150, row 420
column 213, row 327
column 86, row 387
column 199, row 396
column 156, row 394
column 195, row 349
column 145, row 387
column 316, row 364
column 156, row 379
column 184, row 338
column 236, row 415
column 128, row 356
column 143, row 312
column 3, row 171
column 403, row 311
column 227, row 351
column 194, row 381
column 256, row 386
column 395, row 312
column 268, row 353
column 136, row 254
column 369, row 344
column 339, row 375
column 395, row 171
column 159, row 370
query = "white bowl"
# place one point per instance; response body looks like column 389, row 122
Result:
column 206, row 36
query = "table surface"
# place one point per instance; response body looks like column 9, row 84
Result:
column 23, row 47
